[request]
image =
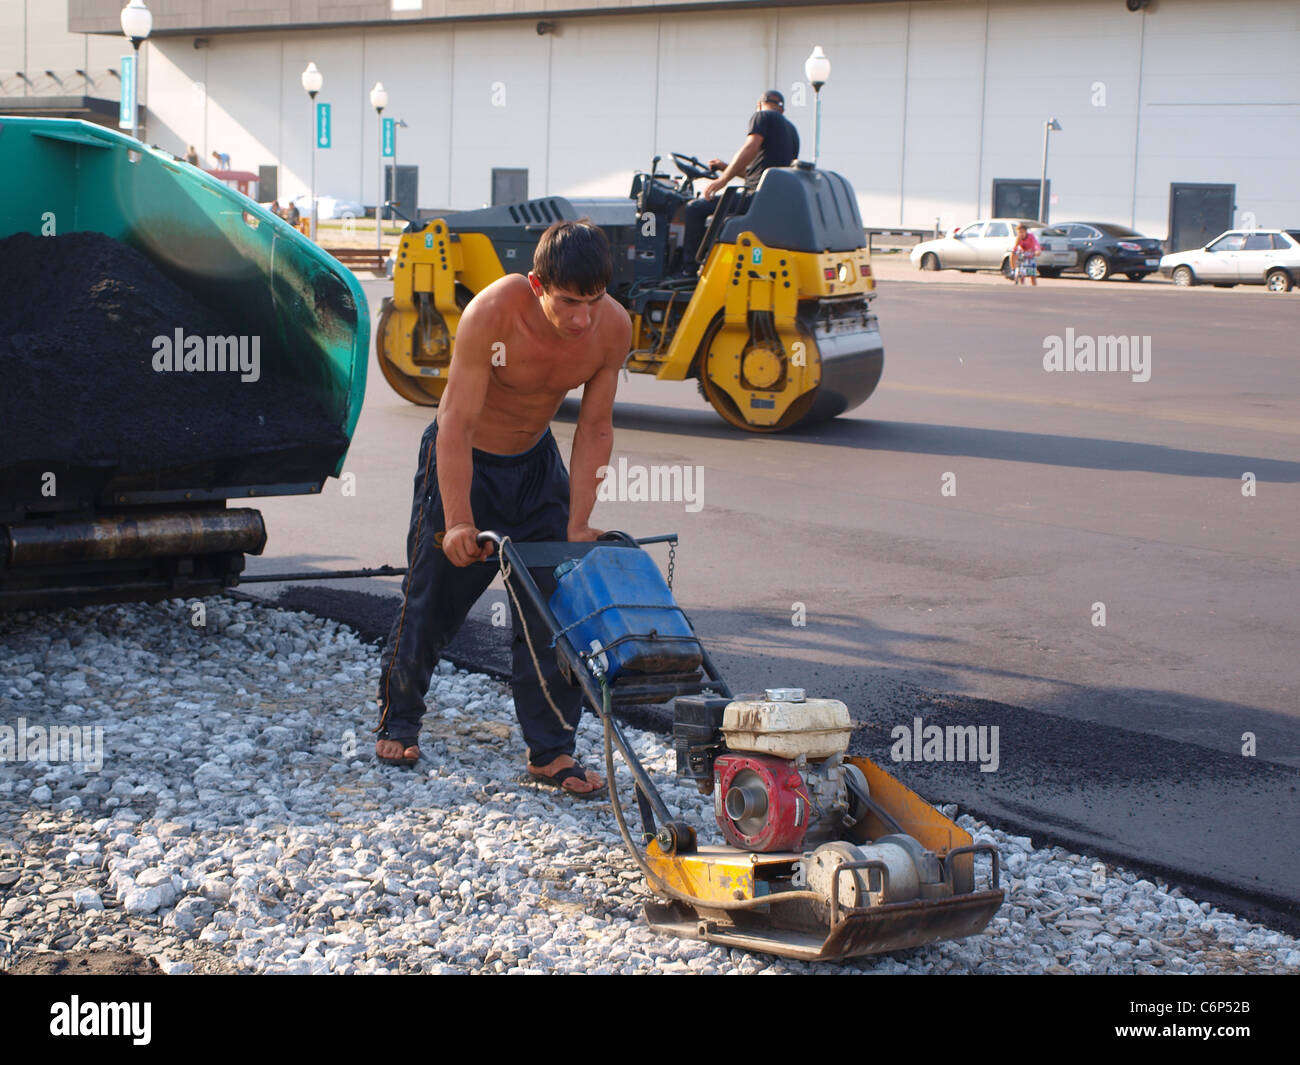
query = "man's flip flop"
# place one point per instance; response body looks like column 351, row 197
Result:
column 557, row 779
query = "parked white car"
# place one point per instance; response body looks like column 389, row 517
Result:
column 987, row 245
column 1240, row 257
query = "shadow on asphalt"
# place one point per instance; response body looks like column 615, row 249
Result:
column 921, row 438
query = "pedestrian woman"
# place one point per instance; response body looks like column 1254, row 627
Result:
column 1025, row 255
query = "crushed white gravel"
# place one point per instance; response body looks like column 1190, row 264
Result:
column 240, row 822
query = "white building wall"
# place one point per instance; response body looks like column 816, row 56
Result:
column 928, row 101
column 602, row 105
column 34, row 38
column 1221, row 103
column 945, row 92
column 1077, row 63
column 863, row 105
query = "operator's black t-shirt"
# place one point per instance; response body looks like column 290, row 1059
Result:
column 780, row 145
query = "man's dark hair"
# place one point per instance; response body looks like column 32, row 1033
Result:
column 574, row 256
column 774, row 97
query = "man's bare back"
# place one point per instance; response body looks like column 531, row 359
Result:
column 534, row 362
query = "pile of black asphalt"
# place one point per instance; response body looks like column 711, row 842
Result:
column 79, row 328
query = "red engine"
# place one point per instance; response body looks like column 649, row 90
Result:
column 760, row 802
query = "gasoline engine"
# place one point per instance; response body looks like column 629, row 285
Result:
column 775, row 766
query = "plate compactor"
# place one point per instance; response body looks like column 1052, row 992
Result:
column 827, row 856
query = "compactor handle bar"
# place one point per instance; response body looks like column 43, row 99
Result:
column 595, row 691
column 593, row 683
column 490, row 537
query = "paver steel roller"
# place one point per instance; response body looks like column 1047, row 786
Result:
column 777, row 327
column 827, row 855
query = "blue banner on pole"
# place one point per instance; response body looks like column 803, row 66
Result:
column 322, row 125
column 127, row 104
column 390, row 128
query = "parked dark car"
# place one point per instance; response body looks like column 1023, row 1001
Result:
column 1104, row 249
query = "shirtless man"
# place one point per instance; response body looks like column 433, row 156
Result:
column 489, row 461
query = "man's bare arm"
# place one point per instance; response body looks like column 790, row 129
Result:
column 593, row 438
column 747, row 154
column 458, row 413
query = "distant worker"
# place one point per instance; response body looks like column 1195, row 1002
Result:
column 772, row 141
column 291, row 214
column 192, row 156
column 223, row 160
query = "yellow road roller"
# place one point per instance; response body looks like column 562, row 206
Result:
column 776, row 324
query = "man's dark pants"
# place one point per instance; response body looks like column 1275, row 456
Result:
column 695, row 223
column 525, row 497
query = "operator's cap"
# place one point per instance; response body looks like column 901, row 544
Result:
column 774, row 97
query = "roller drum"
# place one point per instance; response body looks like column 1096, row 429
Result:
column 852, row 361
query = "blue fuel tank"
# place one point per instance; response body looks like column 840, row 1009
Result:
column 614, row 603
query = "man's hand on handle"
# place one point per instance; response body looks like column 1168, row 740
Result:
column 460, row 545
column 580, row 534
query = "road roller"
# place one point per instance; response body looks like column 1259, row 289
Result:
column 771, row 314
column 814, row 853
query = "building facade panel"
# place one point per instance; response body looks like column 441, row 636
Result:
column 945, row 91
column 607, row 96
column 862, row 107
column 13, row 46
column 500, row 104
column 417, row 70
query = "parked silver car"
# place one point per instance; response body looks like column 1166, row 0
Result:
column 1240, row 257
column 329, row 207
column 987, row 245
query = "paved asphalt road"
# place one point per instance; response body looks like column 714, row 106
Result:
column 1072, row 489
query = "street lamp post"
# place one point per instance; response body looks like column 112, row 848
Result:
column 1050, row 126
column 817, row 69
column 379, row 100
column 312, row 80
column 137, row 21
column 398, row 123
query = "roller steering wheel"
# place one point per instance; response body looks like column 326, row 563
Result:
column 693, row 168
